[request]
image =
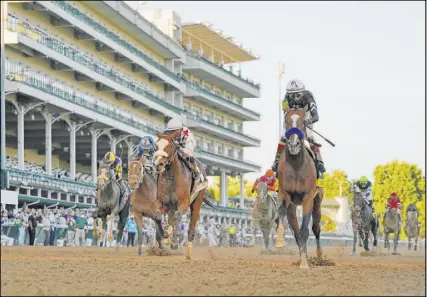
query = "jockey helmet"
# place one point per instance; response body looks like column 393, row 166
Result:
column 295, row 86
column 110, row 157
column 174, row 124
column 269, row 173
column 393, row 195
column 363, row 179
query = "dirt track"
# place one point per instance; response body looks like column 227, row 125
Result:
column 224, row 271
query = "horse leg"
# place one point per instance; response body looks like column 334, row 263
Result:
column 282, row 213
column 396, row 239
column 307, row 209
column 123, row 216
column 416, row 237
column 366, row 238
column 409, row 243
column 265, row 235
column 139, row 226
column 361, row 235
column 195, row 214
column 317, row 213
column 374, row 228
column 355, row 232
column 386, row 242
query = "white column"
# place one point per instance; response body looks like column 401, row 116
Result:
column 73, row 150
column 130, row 150
column 223, row 189
column 113, row 144
column 242, row 191
column 21, row 136
column 94, row 154
column 48, row 144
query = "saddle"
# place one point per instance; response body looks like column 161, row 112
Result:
column 197, row 184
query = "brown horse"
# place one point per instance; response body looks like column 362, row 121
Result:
column 297, row 184
column 174, row 187
column 144, row 199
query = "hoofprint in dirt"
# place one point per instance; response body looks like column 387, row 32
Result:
column 222, row 271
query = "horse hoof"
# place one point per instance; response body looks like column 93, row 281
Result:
column 367, row 249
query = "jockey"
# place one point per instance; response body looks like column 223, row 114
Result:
column 298, row 97
column 115, row 164
column 186, row 141
column 393, row 202
column 365, row 185
column 146, row 147
column 267, row 178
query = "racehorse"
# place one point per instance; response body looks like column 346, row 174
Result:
column 391, row 223
column 412, row 225
column 175, row 187
column 144, row 199
column 108, row 192
column 264, row 213
column 362, row 221
column 297, row 184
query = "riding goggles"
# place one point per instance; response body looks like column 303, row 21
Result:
column 296, row 96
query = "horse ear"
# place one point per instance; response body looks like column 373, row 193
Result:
column 158, row 134
column 306, row 108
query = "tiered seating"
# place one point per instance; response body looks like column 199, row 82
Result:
column 57, row 172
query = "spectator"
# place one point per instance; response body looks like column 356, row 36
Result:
column 81, row 223
column 46, row 229
column 70, row 231
column 52, row 220
column 23, row 219
column 131, row 228
column 89, row 236
column 32, row 224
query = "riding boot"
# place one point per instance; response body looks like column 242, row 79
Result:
column 319, row 162
column 196, row 171
column 279, row 151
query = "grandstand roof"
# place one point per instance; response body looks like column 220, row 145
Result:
column 202, row 34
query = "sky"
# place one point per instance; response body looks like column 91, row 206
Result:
column 363, row 61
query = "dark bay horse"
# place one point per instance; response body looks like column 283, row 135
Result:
column 175, row 187
column 144, row 199
column 298, row 184
column 107, row 197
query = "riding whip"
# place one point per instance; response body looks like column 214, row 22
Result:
column 327, row 140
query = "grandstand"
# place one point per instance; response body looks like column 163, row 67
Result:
column 86, row 77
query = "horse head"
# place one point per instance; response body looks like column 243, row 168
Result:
column 167, row 147
column 104, row 176
column 294, row 135
column 261, row 192
column 136, row 173
column 412, row 211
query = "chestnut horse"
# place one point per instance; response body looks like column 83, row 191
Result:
column 174, row 187
column 144, row 199
column 297, row 184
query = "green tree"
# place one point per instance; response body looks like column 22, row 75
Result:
column 335, row 185
column 407, row 181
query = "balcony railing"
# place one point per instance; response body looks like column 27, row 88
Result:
column 213, row 153
column 112, row 36
column 197, row 87
column 245, row 80
column 18, row 73
column 221, row 128
column 14, row 24
column 21, row 177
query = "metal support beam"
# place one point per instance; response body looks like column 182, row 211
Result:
column 82, row 35
column 139, row 69
column 55, row 65
column 100, row 47
column 72, row 149
column 120, row 96
column 58, row 22
column 3, row 180
column 121, row 59
column 48, row 143
column 82, row 77
column 21, row 136
column 104, row 88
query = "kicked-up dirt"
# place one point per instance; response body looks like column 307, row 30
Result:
column 39, row 270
